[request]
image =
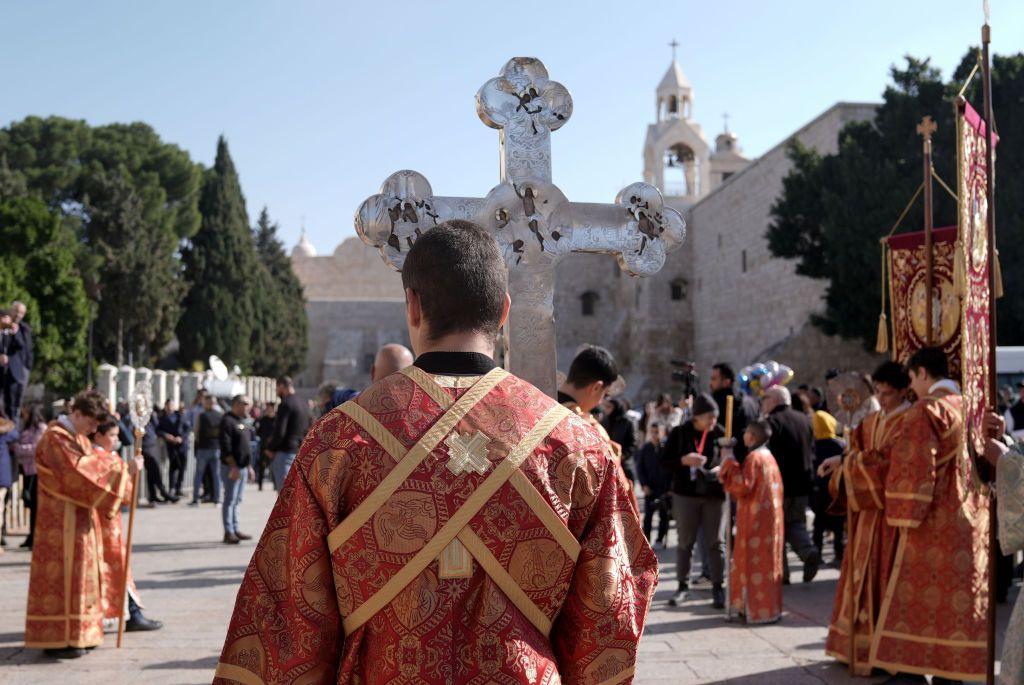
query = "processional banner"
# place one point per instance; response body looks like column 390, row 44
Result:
column 908, row 272
column 976, row 267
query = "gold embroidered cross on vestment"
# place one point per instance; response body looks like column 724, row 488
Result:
column 467, row 452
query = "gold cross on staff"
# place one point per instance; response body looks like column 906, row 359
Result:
column 467, row 453
column 926, row 128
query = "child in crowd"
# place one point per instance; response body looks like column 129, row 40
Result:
column 755, row 577
column 654, row 482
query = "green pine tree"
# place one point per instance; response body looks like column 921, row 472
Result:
column 221, row 267
column 280, row 340
column 37, row 266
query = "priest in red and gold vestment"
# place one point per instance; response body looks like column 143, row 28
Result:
column 858, row 486
column 452, row 524
column 933, row 614
column 77, row 487
column 755, row 577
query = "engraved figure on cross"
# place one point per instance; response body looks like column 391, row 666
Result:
column 532, row 220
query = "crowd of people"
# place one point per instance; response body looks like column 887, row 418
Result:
column 741, row 476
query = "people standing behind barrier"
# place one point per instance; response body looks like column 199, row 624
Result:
column 207, row 451
column 155, row 490
column 174, row 430
column 264, row 431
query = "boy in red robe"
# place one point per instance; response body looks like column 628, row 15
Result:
column 755, row 577
column 451, row 524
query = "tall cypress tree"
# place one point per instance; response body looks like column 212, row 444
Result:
column 280, row 339
column 220, row 266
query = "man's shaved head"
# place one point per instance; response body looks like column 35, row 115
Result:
column 390, row 358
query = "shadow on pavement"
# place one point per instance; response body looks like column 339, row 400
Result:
column 207, row 663
column 797, row 675
column 191, row 578
column 176, row 546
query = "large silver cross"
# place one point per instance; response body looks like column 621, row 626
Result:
column 533, row 221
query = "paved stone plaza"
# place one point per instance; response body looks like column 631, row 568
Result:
column 188, row 579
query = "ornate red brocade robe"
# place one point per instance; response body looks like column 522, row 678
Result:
column 442, row 529
column 860, row 486
column 933, row 613
column 77, row 488
column 755, row 578
column 113, row 554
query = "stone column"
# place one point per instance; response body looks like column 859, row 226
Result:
column 142, row 374
column 106, row 382
column 174, row 387
column 125, row 383
column 159, row 387
column 189, row 386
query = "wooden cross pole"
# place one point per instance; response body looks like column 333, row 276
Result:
column 925, row 129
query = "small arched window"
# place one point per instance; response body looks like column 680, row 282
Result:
column 589, row 301
column 678, row 289
column 673, row 105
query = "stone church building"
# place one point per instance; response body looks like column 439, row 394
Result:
column 721, row 297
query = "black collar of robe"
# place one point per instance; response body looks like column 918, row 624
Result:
column 455, row 363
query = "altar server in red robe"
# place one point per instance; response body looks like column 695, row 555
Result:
column 452, row 524
column 858, row 482
column 933, row 614
column 77, row 487
column 755, row 577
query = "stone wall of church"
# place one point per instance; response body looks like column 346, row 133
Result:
column 747, row 303
column 344, row 336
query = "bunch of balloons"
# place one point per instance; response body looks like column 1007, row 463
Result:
column 757, row 378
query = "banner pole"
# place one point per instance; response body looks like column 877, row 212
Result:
column 986, row 66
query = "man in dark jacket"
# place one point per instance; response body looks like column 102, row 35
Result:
column 236, row 460
column 207, row 451
column 151, row 456
column 290, row 427
column 174, row 430
column 698, row 501
column 792, row 445
column 744, row 408
column 654, row 482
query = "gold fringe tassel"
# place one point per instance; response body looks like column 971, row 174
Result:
column 998, row 277
column 882, row 345
column 959, row 270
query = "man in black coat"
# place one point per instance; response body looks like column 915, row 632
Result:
column 151, row 456
column 698, row 500
column 174, row 429
column 290, row 427
column 792, row 445
column 236, row 464
column 744, row 408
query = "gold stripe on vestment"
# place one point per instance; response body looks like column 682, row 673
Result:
column 237, row 673
column 415, row 456
column 427, row 385
column 372, row 427
column 473, row 504
column 909, row 495
column 552, row 521
column 970, row 644
column 69, row 552
column 620, row 677
column 504, row 580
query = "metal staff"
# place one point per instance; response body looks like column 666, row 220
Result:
column 729, row 400
column 141, row 411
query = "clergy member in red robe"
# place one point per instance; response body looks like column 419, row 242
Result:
column 452, row 524
column 933, row 614
column 77, row 487
column 755, row 577
column 858, row 486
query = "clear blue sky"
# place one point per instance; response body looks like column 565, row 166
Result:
column 320, row 101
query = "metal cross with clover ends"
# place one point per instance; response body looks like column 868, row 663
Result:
column 467, row 453
column 534, row 223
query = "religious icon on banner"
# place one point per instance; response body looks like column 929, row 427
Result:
column 908, row 294
column 976, row 274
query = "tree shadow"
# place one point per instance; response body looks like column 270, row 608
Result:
column 193, row 578
column 822, row 672
column 176, row 546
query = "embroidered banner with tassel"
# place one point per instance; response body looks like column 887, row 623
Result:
column 973, row 270
column 907, row 295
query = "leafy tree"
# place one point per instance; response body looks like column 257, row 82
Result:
column 280, row 338
column 37, row 266
column 131, row 197
column 139, row 284
column 220, row 265
column 834, row 208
